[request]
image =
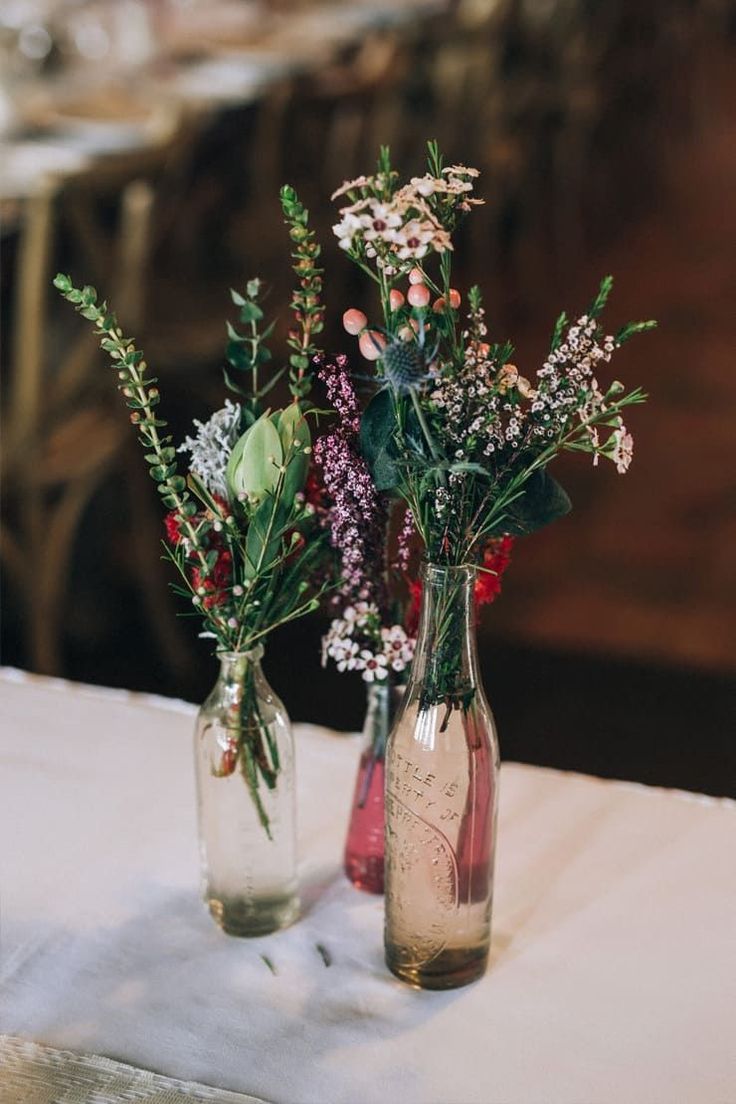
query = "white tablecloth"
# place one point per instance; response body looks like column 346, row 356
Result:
column 612, row 973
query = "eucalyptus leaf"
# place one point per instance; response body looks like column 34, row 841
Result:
column 250, row 312
column 378, row 441
column 542, row 501
column 238, row 356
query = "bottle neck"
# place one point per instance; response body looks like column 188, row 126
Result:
column 235, row 665
column 239, row 674
column 445, row 667
column 383, row 702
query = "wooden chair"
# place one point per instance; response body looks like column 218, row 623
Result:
column 63, row 435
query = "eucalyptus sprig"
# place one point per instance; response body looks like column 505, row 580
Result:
column 247, row 352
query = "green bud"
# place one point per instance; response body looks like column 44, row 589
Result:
column 296, row 441
column 253, row 468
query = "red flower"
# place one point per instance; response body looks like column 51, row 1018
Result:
column 496, row 558
column 315, row 493
column 215, row 584
column 223, row 505
column 411, row 624
column 173, row 527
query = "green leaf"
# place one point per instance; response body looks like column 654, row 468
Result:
column 238, row 356
column 253, row 467
column 263, row 540
column 62, row 283
column 632, row 328
column 293, row 430
column 378, row 428
column 271, row 383
column 250, row 312
column 468, row 466
column 231, row 384
column 237, row 298
column 596, row 307
column 560, row 325
column 542, row 501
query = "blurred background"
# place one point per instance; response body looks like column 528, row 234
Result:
column 142, row 146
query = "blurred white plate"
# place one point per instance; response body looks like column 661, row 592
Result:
column 98, row 136
column 228, row 78
column 24, row 166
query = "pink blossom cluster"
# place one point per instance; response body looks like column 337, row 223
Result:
column 396, row 228
column 567, row 380
column 568, row 386
column 357, row 641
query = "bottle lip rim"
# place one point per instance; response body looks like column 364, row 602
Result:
column 457, row 570
column 256, row 652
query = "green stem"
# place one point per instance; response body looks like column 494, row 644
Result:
column 436, row 455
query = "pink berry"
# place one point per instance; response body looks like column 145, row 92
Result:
column 395, row 299
column 416, row 276
column 439, row 305
column 418, row 295
column 371, row 344
column 354, row 321
column 454, row 298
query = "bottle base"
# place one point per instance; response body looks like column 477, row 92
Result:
column 244, row 917
column 450, row 969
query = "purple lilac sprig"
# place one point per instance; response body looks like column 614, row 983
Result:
column 362, row 637
column 358, row 514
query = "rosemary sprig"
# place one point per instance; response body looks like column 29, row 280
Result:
column 142, row 397
column 306, row 297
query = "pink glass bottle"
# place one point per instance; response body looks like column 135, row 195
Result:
column 365, row 841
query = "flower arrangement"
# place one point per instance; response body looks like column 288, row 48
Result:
column 378, row 597
column 245, row 542
column 454, row 429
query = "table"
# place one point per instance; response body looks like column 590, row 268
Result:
column 611, row 976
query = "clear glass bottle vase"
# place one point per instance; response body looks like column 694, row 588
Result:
column 441, row 798
column 363, row 861
column 244, row 755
